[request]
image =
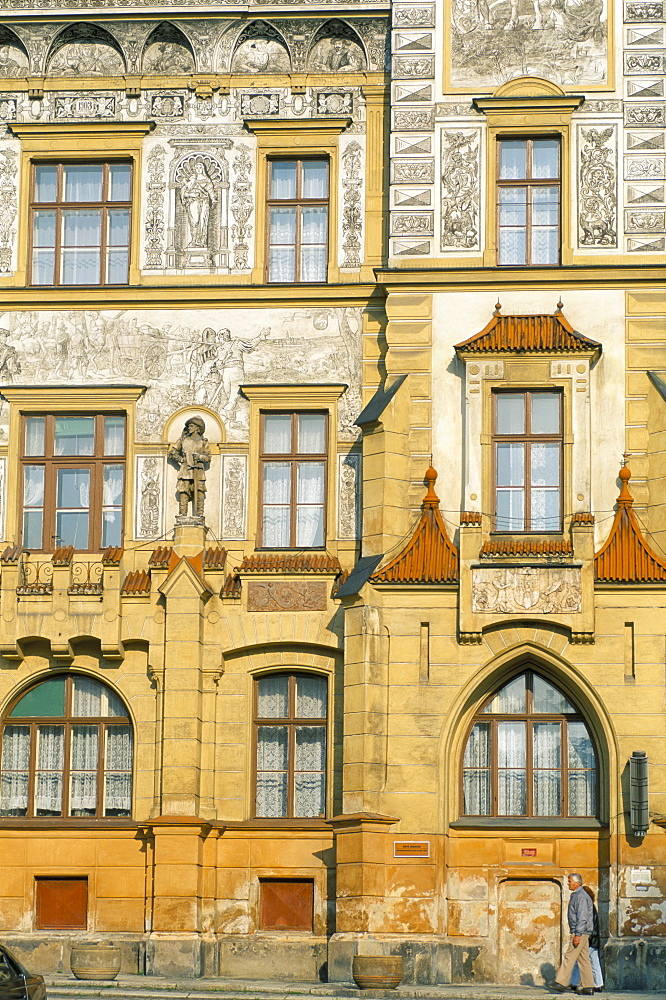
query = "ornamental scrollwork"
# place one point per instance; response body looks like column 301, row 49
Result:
column 598, row 194
column 352, row 215
column 460, row 190
column 154, row 225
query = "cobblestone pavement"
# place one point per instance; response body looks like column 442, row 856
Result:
column 65, row 987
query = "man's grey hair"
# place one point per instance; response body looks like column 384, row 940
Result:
column 577, row 878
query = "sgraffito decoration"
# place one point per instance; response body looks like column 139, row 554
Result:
column 8, row 206
column 234, row 492
column 241, row 208
column 598, row 188
column 460, row 190
column 149, row 521
column 352, row 215
column 154, row 225
column 349, row 467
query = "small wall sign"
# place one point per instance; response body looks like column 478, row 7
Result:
column 528, row 852
column 411, row 848
column 641, row 876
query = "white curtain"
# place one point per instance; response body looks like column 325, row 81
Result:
column 33, row 486
column 511, row 771
column 272, row 750
column 118, row 777
column 114, row 435
column 510, row 699
column 547, row 699
column 582, row 771
column 95, row 700
column 311, row 434
column 476, row 773
column 310, row 757
column 283, row 179
column 311, row 697
column 15, row 763
column 310, row 504
column 273, row 697
column 277, row 434
column 113, row 485
column 50, row 763
column 83, row 770
column 547, row 761
column 83, row 182
column 277, row 493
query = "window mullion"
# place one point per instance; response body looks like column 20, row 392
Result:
column 101, row 753
column 66, row 771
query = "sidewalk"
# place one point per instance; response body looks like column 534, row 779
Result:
column 66, row 987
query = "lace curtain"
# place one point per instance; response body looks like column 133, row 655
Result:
column 276, row 498
column 113, row 485
column 50, row 764
column 311, row 696
column 272, row 750
column 547, row 762
column 582, row 771
column 310, row 500
column 273, row 697
column 118, row 776
column 511, row 773
column 476, row 773
column 509, row 700
column 15, row 763
column 33, row 486
column 83, row 773
column 311, row 434
column 94, row 700
column 310, row 767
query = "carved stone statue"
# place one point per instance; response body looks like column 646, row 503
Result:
column 197, row 194
column 192, row 452
column 200, row 185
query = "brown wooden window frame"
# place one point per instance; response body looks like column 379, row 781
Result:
column 529, row 717
column 290, row 722
column 295, row 458
column 52, row 463
column 44, row 882
column 527, row 439
column 60, row 205
column 67, row 721
column 298, row 202
column 307, row 907
column 529, row 183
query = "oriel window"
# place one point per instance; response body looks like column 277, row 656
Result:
column 298, row 193
column 527, row 450
column 80, row 223
column 73, row 481
column 293, row 480
column 528, row 201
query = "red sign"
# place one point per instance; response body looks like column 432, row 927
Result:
column 528, row 852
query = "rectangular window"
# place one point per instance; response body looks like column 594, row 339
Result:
column 293, row 480
column 73, row 481
column 297, row 220
column 528, row 201
column 80, row 223
column 61, row 903
column 286, row 904
column 527, row 448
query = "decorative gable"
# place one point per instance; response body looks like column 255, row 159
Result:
column 626, row 557
column 429, row 556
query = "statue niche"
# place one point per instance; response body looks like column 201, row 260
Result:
column 200, row 186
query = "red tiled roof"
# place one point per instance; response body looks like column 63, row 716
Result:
column 160, row 557
column 526, row 547
column 63, row 555
column 626, row 557
column 273, row 562
column 11, row 554
column 429, row 556
column 136, row 583
column 215, row 559
column 112, row 555
column 521, row 333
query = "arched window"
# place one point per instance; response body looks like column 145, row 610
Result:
column 66, row 751
column 290, row 740
column 529, row 753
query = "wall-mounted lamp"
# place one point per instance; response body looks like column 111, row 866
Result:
column 638, row 793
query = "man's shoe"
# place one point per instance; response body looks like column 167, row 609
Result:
column 558, row 987
column 588, row 991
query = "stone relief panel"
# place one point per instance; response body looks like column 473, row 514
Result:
column 349, row 477
column 9, row 160
column 234, row 497
column 167, row 51
column 199, row 214
column 85, row 50
column 242, row 207
column 351, row 180
column 150, row 496
column 490, row 44
column 543, row 590
column 154, row 225
column 597, row 193
column 461, row 174
column 260, row 49
column 283, row 596
column 187, row 358
column 13, row 57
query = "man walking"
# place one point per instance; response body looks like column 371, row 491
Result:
column 581, row 921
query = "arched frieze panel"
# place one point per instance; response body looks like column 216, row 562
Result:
column 85, row 50
column 13, row 55
column 260, row 48
column 337, row 48
column 167, row 52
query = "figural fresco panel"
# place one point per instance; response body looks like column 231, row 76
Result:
column 489, row 44
column 188, row 359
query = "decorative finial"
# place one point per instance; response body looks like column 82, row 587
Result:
column 498, row 307
column 560, row 305
column 625, row 498
column 431, row 497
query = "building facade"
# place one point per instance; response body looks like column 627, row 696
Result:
column 274, row 691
